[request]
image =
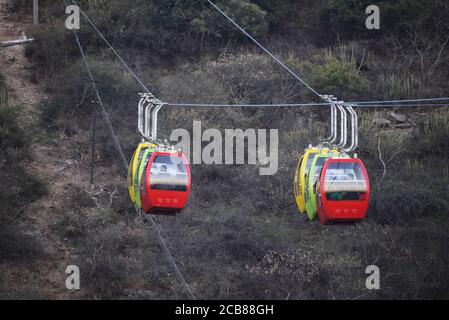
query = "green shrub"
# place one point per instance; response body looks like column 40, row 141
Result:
column 337, row 76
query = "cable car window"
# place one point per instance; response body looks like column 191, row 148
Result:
column 168, row 173
column 142, row 151
column 309, row 162
column 143, row 184
column 147, row 158
column 345, row 182
column 318, row 166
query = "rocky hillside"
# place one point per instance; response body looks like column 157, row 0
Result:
column 241, row 235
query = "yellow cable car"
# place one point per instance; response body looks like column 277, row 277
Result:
column 299, row 185
column 302, row 169
column 133, row 167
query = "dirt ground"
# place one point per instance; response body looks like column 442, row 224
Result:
column 52, row 160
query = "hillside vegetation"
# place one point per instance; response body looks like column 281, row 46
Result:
column 241, row 235
column 18, row 188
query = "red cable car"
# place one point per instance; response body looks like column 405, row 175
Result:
column 166, row 183
column 343, row 191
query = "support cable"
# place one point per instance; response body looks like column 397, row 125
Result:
column 246, row 105
column 125, row 166
column 113, row 50
column 297, row 105
column 434, row 105
column 356, row 104
column 276, row 59
column 399, row 101
column 100, row 102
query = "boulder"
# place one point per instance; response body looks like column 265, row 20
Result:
column 397, row 117
column 403, row 126
column 381, row 122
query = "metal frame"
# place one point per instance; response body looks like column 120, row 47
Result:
column 331, row 99
column 158, row 104
column 340, row 110
column 334, row 124
column 143, row 100
column 354, row 129
column 343, row 125
column 147, row 120
column 148, row 112
column 152, row 105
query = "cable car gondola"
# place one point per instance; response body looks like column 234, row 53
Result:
column 303, row 166
column 302, row 169
column 166, row 183
column 140, row 172
column 343, row 191
column 311, row 178
column 133, row 168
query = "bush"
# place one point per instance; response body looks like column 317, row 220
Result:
column 103, row 240
column 338, row 76
column 16, row 246
column 54, row 48
column 175, row 27
column 409, row 177
column 239, row 235
column 433, row 136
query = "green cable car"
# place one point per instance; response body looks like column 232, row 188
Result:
column 311, row 179
column 139, row 173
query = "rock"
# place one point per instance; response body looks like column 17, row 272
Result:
column 397, row 117
column 261, row 205
column 403, row 126
column 381, row 121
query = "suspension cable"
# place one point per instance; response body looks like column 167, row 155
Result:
column 293, row 105
column 246, row 105
column 112, row 48
column 100, row 102
column 400, row 101
column 357, row 103
column 435, row 105
column 125, row 166
column 117, row 143
column 276, row 59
